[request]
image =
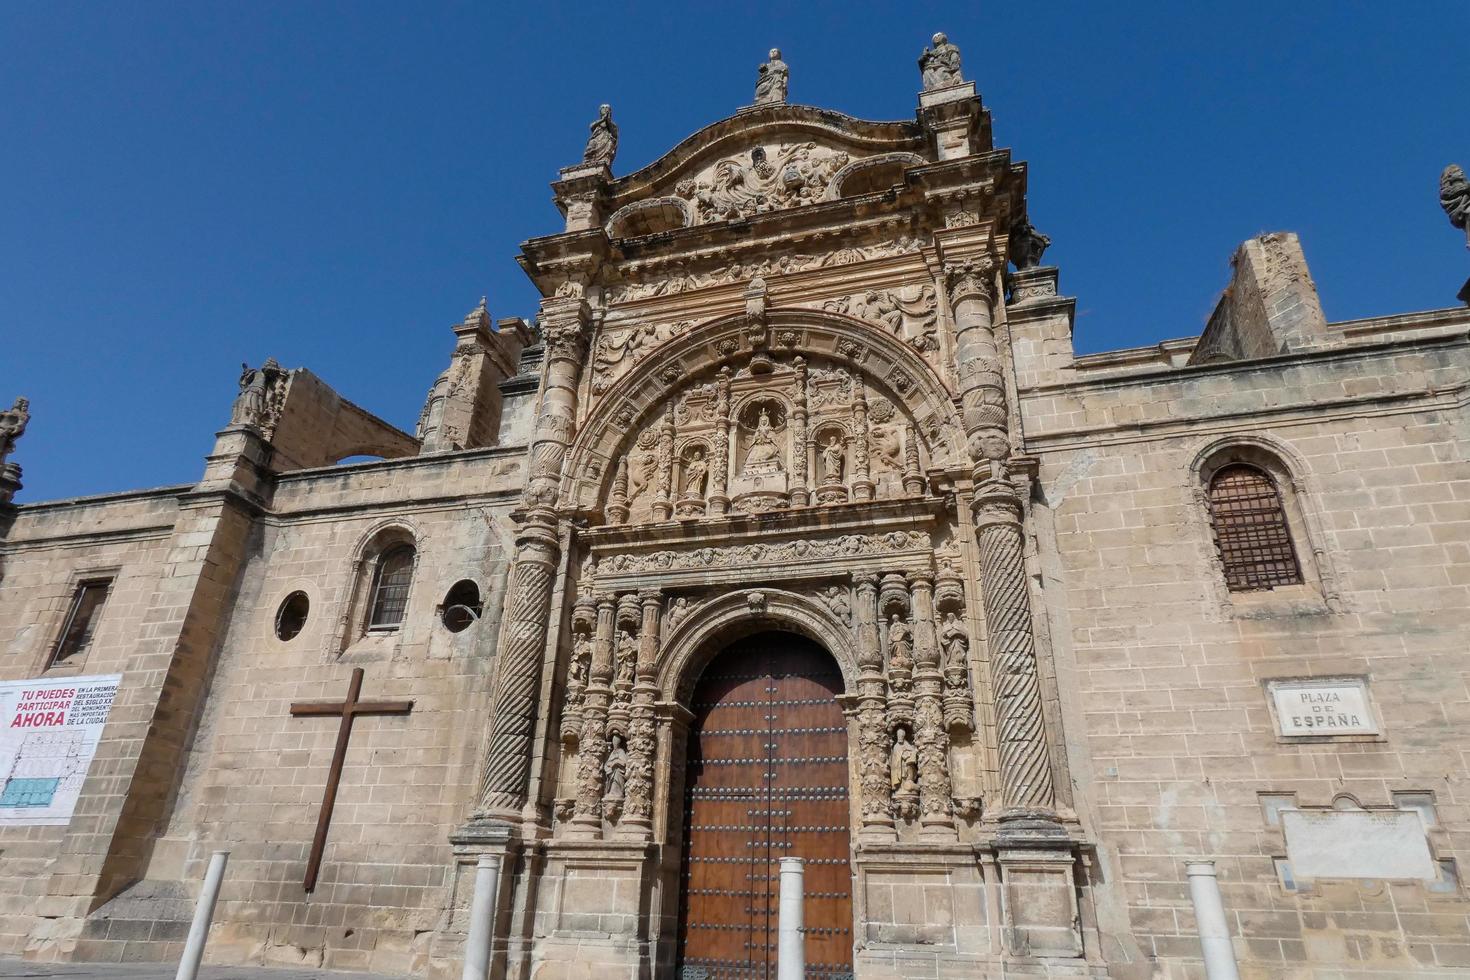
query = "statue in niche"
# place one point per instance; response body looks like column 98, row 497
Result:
column 764, row 455
column 833, row 459
column 13, row 425
column 602, row 144
column 903, row 764
column 581, row 662
column 956, row 641
column 940, row 65
column 627, row 657
column 1454, row 197
column 250, row 403
column 677, row 612
column 696, row 474
column 615, row 769
column 837, row 601
column 771, row 80
column 900, row 645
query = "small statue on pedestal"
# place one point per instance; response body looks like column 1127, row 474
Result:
column 771, row 80
column 903, row 765
column 940, row 65
column 602, row 144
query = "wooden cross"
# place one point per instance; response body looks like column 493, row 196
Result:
column 348, row 710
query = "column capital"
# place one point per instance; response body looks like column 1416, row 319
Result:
column 971, row 278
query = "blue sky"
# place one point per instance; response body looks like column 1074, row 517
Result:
column 193, row 185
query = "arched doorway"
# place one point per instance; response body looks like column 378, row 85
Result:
column 766, row 779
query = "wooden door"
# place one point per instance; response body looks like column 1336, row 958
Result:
column 766, row 779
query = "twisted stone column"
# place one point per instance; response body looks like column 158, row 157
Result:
column 637, row 819
column 1025, row 762
column 663, row 505
column 876, row 790
column 929, row 734
column 528, row 603
column 862, row 484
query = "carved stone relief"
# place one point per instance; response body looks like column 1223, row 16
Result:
column 764, row 179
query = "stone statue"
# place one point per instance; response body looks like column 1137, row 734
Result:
column 13, row 425
column 903, row 764
column 677, row 612
column 771, row 80
column 940, row 65
column 602, row 144
column 837, row 601
column 615, row 769
column 696, row 474
column 900, row 644
column 250, row 404
column 1027, row 244
column 644, row 471
column 956, row 640
column 627, row 657
column 764, row 456
column 832, row 460
column 1454, row 197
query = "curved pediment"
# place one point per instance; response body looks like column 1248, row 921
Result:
column 763, row 159
column 831, row 410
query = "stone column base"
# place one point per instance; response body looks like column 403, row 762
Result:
column 593, row 911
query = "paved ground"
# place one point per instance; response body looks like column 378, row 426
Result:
column 99, row 971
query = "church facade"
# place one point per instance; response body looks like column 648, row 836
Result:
column 792, row 526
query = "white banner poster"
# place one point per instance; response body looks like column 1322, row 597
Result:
column 48, row 733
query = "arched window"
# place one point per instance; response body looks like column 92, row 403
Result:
column 390, row 587
column 1249, row 523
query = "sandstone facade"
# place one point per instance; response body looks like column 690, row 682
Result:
column 785, row 380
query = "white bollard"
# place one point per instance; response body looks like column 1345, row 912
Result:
column 203, row 915
column 482, row 918
column 1209, row 917
column 790, row 942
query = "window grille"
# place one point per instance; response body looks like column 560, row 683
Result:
column 1250, row 530
column 390, row 587
column 81, row 620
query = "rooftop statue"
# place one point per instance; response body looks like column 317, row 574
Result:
column 1454, row 197
column 602, row 144
column 940, row 65
column 771, row 80
column 13, row 425
column 1027, row 244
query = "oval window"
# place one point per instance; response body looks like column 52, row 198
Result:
column 291, row 617
column 461, row 608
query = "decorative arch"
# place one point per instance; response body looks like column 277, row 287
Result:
column 866, row 175
column 713, row 626
column 650, row 216
column 888, row 363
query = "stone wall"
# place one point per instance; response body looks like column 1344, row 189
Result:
column 1164, row 671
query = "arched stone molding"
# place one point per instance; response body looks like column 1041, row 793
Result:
column 630, row 404
column 859, row 167
column 355, row 595
column 768, row 123
column 1300, row 498
column 650, row 216
column 713, row 626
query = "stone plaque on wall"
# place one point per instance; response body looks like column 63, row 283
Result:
column 1323, row 706
column 1357, row 844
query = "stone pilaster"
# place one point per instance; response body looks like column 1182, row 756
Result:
column 719, row 495
column 876, row 791
column 592, row 746
column 800, row 451
column 862, row 483
column 528, row 604
column 637, row 822
column 929, row 735
column 663, row 505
